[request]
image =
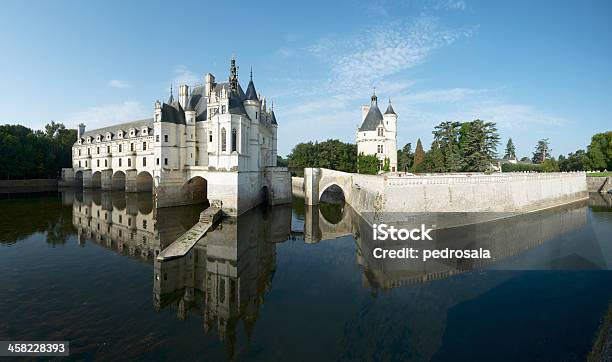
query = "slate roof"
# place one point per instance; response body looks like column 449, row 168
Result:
column 123, row 126
column 236, row 106
column 173, row 113
column 390, row 109
column 273, row 120
column 373, row 118
column 197, row 103
column 251, row 93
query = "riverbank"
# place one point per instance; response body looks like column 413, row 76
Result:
column 32, row 185
column 601, row 184
column 602, row 347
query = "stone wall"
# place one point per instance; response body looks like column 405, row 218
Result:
column 599, row 184
column 297, row 186
column 33, row 185
column 508, row 193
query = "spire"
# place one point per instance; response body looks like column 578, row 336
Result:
column 171, row 99
column 374, row 98
column 272, row 115
column 390, row 108
column 251, row 93
column 233, row 80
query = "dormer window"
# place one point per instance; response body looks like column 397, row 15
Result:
column 145, row 131
column 381, row 131
column 132, row 132
column 89, row 139
column 109, row 136
column 99, row 138
column 80, row 141
column 120, row 134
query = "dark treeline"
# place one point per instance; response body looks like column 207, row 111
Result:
column 29, row 154
column 332, row 154
column 597, row 157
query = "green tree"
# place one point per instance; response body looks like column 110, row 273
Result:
column 367, row 164
column 280, row 161
column 510, row 150
column 332, row 154
column 404, row 158
column 577, row 161
column 419, row 157
column 447, row 135
column 550, row 165
column 600, row 151
column 436, row 158
column 387, row 165
column 542, row 151
column 478, row 142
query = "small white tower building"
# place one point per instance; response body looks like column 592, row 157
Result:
column 378, row 134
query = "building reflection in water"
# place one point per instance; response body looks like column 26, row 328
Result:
column 507, row 239
column 223, row 280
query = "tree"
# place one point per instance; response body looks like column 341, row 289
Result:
column 367, row 164
column 419, row 157
column 280, row 161
column 550, row 165
column 25, row 153
column 404, row 157
column 542, row 151
column 510, row 150
column 447, row 135
column 478, row 142
column 577, row 161
column 387, row 165
column 332, row 154
column 436, row 158
column 600, row 151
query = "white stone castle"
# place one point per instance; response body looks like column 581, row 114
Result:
column 378, row 134
column 215, row 143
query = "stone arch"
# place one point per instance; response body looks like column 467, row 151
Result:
column 96, row 180
column 196, row 189
column 144, row 182
column 118, row 182
column 332, row 193
column 78, row 179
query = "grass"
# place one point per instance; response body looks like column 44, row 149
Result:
column 595, row 174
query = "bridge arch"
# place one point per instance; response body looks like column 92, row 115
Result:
column 332, row 192
column 196, row 189
column 118, row 182
column 78, row 179
column 96, row 180
column 144, row 182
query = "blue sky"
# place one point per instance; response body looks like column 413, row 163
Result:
column 539, row 69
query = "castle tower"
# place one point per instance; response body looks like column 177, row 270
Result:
column 252, row 105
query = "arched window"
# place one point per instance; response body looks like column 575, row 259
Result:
column 223, row 140
column 233, row 140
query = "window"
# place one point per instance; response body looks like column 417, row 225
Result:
column 144, row 146
column 223, row 140
column 131, row 146
column 166, row 161
column 107, row 149
column 222, row 109
column 98, row 150
column 144, row 224
column 129, row 162
column 79, row 163
column 98, row 163
column 380, row 148
column 85, row 163
column 88, row 151
column 256, row 114
column 120, row 148
column 105, row 163
column 380, row 164
column 156, row 138
column 165, row 138
column 380, row 131
column 209, row 136
column 233, row 140
column 157, row 161
column 79, row 151
column 144, row 161
column 120, row 219
column 119, row 162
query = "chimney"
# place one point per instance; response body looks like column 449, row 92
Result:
column 81, row 130
column 210, row 81
column 364, row 112
column 183, row 95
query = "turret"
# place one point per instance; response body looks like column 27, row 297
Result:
column 252, row 105
column 390, row 118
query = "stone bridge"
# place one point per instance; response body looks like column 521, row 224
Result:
column 510, row 193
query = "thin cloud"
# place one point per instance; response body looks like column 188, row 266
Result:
column 109, row 114
column 183, row 75
column 116, row 83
